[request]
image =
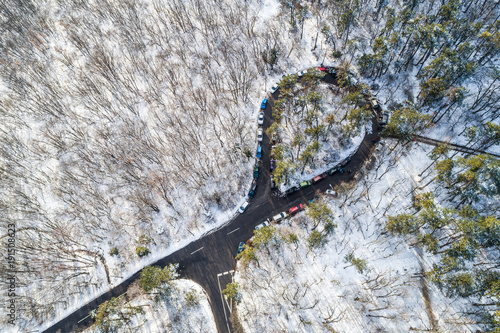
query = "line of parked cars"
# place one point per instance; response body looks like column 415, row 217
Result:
column 383, row 120
column 260, row 130
column 276, row 218
column 329, row 69
column 318, row 178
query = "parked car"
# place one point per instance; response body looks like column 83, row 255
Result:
column 291, row 190
column 261, row 118
column 374, row 103
column 318, row 178
column 331, row 192
column 256, row 172
column 384, row 118
column 331, row 70
column 280, row 216
column 345, row 161
column 312, row 200
column 295, row 209
column 301, row 73
column 323, row 69
column 243, row 207
column 241, row 247
column 259, row 134
column 262, row 225
column 251, row 193
column 274, row 88
column 264, row 103
column 273, row 164
column 305, row 184
column 259, row 152
column 334, row 169
column 380, row 146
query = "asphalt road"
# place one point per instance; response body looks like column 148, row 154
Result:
column 206, row 260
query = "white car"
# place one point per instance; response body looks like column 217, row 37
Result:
column 280, row 216
column 261, row 118
column 243, row 207
column 374, row 103
column 259, row 134
column 274, row 88
column 331, row 192
column 262, row 225
column 301, row 73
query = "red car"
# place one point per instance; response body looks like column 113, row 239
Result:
column 295, row 209
column 318, row 178
column 323, row 69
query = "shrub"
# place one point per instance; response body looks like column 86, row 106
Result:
column 192, row 298
column 232, row 291
column 113, row 252
column 142, row 251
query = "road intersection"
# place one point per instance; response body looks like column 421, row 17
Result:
column 210, row 260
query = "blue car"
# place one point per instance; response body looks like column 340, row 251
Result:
column 264, row 103
column 241, row 247
column 259, row 152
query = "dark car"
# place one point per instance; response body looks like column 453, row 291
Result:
column 256, row 172
column 291, row 190
column 318, row 178
column 295, row 209
column 251, row 193
column 331, row 70
column 333, row 170
column 312, row 200
column 345, row 161
column 241, row 247
column 273, row 164
column 384, row 118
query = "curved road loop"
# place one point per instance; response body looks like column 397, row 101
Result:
column 209, row 261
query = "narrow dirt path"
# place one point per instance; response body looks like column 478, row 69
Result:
column 463, row 149
column 424, row 285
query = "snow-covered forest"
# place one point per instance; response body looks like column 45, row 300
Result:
column 128, row 128
column 182, row 308
column 315, row 126
column 334, row 268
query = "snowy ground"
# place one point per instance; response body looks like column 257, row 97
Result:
column 296, row 289
column 119, row 132
column 172, row 315
column 126, row 124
